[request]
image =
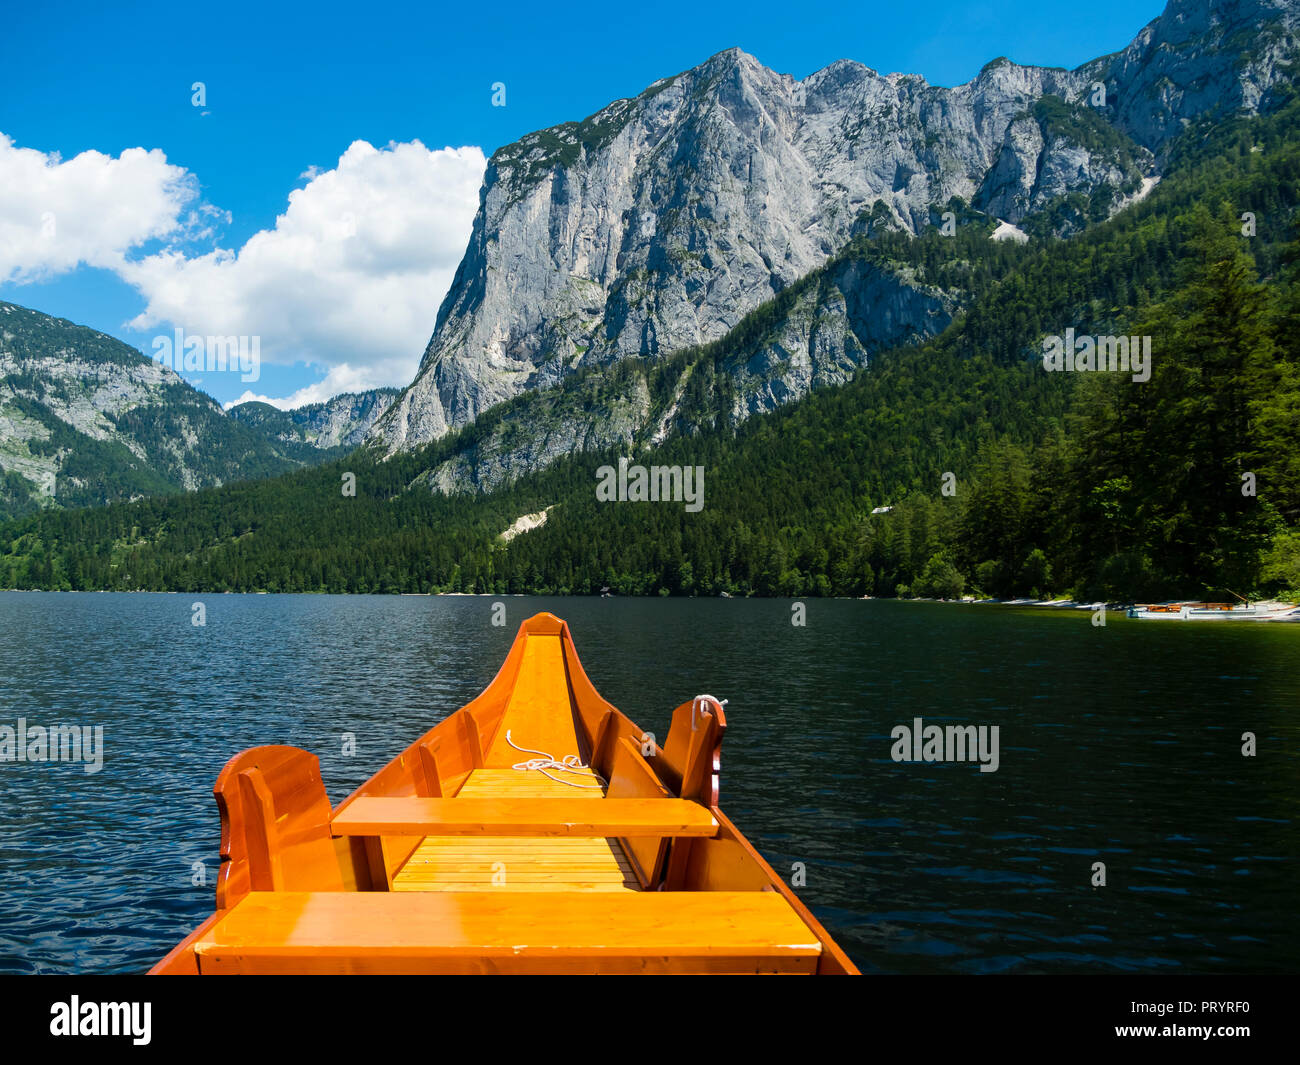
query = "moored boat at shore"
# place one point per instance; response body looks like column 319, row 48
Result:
column 535, row 830
column 1206, row 611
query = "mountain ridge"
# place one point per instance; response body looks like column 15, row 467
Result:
column 656, row 223
column 1074, row 484
column 343, row 420
column 85, row 420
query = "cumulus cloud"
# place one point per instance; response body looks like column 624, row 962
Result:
column 93, row 209
column 340, row 379
column 349, row 278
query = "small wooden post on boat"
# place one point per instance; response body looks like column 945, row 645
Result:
column 462, row 856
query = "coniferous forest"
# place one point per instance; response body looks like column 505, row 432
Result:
column 1000, row 479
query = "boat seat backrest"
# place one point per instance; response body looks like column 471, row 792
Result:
column 275, row 825
column 689, row 762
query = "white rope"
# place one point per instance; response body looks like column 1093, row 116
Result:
column 570, row 764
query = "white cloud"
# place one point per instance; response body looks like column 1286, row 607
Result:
column 56, row 215
column 349, row 278
column 340, row 379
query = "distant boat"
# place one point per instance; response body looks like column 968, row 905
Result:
column 1204, row 611
column 535, row 830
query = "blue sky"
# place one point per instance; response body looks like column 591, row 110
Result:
column 291, row 87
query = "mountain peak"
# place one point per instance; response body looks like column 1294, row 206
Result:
column 728, row 57
column 659, row 222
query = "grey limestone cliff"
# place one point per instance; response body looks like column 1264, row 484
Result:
column 659, row 222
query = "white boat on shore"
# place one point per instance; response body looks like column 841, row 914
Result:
column 1189, row 611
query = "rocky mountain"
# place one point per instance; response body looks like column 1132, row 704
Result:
column 86, row 420
column 660, row 222
column 342, row 421
column 818, row 332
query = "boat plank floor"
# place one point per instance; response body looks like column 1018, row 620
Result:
column 517, row 783
column 519, row 863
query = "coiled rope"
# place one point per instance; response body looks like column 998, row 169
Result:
column 571, row 763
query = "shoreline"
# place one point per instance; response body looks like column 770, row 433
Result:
column 1291, row 613
column 1284, row 610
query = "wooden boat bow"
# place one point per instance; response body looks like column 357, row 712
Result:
column 602, row 853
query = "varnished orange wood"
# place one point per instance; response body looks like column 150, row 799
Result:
column 265, row 870
column 181, row 959
column 287, row 932
column 429, row 763
column 692, row 750
column 540, row 714
column 833, row 961
column 524, row 817
column 474, row 738
column 691, row 763
column 276, row 828
column 631, row 777
column 596, row 747
column 525, row 863
column 275, row 825
column 512, row 783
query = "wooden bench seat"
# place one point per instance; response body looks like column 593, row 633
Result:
column 624, row 818
column 478, row 932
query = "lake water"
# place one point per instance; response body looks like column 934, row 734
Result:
column 1118, row 744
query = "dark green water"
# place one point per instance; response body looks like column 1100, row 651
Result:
column 1119, row 744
